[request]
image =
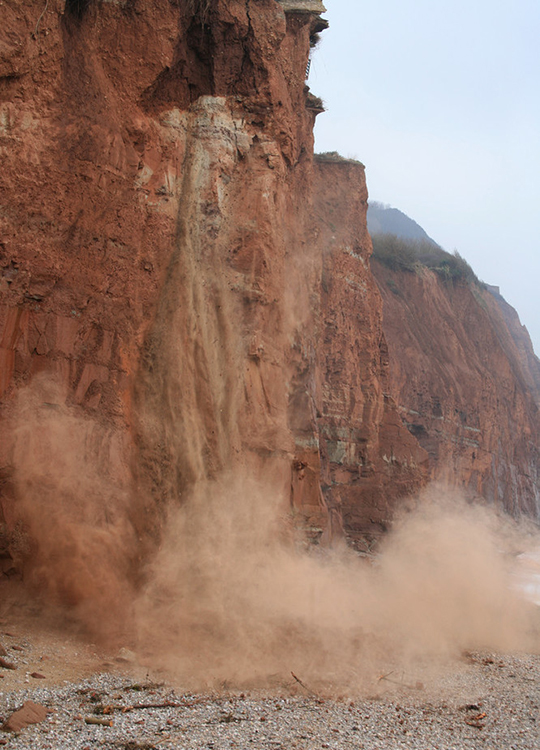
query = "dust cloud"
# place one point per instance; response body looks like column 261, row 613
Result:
column 233, row 594
column 71, row 504
column 230, row 598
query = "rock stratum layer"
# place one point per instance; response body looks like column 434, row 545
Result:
column 175, row 303
column 465, row 378
column 185, row 293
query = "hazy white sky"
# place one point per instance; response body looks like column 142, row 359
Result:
column 441, row 102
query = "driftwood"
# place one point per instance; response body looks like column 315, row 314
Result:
column 299, row 681
column 97, row 720
column 140, row 706
column 165, row 704
column 418, row 686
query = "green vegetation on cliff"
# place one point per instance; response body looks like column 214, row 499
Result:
column 402, row 254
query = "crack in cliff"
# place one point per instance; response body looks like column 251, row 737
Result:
column 76, row 8
column 245, row 48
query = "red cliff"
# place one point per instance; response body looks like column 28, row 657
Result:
column 465, row 378
column 369, row 460
column 185, row 293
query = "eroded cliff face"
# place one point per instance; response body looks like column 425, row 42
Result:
column 187, row 313
column 369, row 460
column 464, row 376
column 172, row 308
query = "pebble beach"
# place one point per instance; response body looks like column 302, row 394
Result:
column 479, row 700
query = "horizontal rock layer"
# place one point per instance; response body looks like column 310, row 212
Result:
column 465, row 378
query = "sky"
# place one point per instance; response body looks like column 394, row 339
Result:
column 441, row 102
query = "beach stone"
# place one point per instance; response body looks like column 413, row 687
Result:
column 30, row 713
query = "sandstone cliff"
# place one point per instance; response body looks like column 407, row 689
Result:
column 368, row 458
column 465, row 378
column 186, row 294
column 182, row 295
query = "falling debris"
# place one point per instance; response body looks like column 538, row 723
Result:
column 126, row 656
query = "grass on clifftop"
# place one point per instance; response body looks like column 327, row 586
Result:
column 408, row 255
column 334, row 156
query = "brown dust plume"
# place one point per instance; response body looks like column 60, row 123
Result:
column 71, row 498
column 228, row 597
column 231, row 594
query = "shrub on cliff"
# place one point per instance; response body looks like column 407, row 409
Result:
column 335, row 156
column 395, row 252
column 409, row 255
